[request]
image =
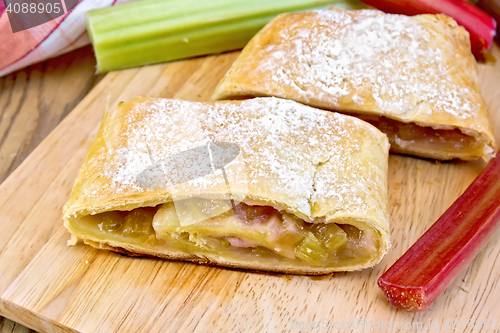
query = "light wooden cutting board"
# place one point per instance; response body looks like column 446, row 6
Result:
column 54, row 288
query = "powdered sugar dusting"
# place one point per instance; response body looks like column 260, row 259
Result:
column 293, row 149
column 388, row 60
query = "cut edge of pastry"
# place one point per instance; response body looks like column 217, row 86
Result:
column 271, row 264
column 481, row 144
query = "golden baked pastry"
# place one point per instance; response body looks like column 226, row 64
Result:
column 412, row 77
column 303, row 191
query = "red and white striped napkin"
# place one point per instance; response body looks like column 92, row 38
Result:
column 61, row 35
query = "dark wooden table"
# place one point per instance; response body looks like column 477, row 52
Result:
column 33, row 101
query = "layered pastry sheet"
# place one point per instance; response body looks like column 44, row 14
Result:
column 412, row 77
column 304, row 191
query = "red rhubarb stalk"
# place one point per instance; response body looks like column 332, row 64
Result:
column 492, row 7
column 480, row 25
column 431, row 264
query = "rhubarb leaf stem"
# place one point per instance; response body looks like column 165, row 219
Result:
column 151, row 31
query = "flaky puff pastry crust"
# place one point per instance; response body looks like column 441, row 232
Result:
column 411, row 69
column 317, row 165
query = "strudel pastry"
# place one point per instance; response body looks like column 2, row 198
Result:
column 412, row 77
column 293, row 189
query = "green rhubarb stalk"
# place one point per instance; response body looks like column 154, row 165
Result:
column 152, row 31
column 311, row 250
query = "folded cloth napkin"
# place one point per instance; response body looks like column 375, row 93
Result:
column 60, row 35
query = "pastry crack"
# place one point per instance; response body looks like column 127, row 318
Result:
column 312, row 198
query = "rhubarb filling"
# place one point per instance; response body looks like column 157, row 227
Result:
column 238, row 231
column 410, row 137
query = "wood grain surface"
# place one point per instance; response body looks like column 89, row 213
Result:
column 33, row 101
column 54, row 288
